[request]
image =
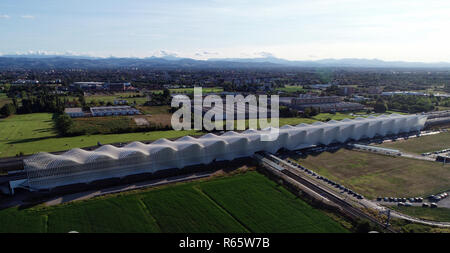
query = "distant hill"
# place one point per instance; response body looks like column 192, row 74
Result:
column 40, row 61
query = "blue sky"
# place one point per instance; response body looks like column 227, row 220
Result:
column 296, row 30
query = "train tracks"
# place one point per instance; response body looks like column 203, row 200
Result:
column 293, row 173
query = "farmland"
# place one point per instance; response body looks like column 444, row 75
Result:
column 246, row 202
column 378, row 175
column 422, row 144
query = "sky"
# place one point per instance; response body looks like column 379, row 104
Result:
column 295, row 30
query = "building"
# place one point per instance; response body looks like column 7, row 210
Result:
column 22, row 82
column 74, row 112
column 47, row 171
column 113, row 111
column 320, row 86
column 118, row 87
column 409, row 93
column 346, row 90
column 101, row 86
column 374, row 90
column 325, row 104
column 310, row 99
column 334, row 107
column 87, row 86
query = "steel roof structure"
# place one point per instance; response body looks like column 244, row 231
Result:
column 46, row 171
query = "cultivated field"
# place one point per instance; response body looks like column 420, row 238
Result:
column 377, row 175
column 422, row 144
column 241, row 203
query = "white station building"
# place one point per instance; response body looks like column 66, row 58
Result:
column 46, row 171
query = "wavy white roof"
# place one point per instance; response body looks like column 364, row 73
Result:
column 47, row 170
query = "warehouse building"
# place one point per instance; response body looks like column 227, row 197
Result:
column 47, row 171
column 325, row 104
column 74, row 112
column 113, row 111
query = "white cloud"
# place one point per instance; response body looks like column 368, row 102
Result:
column 27, row 16
column 4, row 16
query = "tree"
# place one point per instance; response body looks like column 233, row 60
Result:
column 8, row 110
column 380, row 106
column 63, row 123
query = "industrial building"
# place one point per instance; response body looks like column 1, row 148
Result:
column 325, row 104
column 47, row 171
column 113, row 111
column 74, row 112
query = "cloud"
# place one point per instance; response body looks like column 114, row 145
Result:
column 265, row 54
column 206, row 53
column 164, row 54
column 27, row 16
column 4, row 16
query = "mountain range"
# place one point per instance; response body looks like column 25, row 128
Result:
column 39, row 61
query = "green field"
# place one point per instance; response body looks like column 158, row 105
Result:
column 432, row 214
column 241, row 203
column 31, row 133
column 290, row 88
column 378, row 175
column 128, row 96
column 422, row 144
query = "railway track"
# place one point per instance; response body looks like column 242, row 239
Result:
column 294, row 174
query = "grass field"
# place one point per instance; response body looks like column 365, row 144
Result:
column 128, row 96
column 422, row 144
column 31, row 133
column 432, row 214
column 241, row 203
column 290, row 88
column 377, row 175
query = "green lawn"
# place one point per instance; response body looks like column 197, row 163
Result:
column 432, row 214
column 117, row 96
column 241, row 203
column 31, row 133
column 378, row 175
column 422, row 144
